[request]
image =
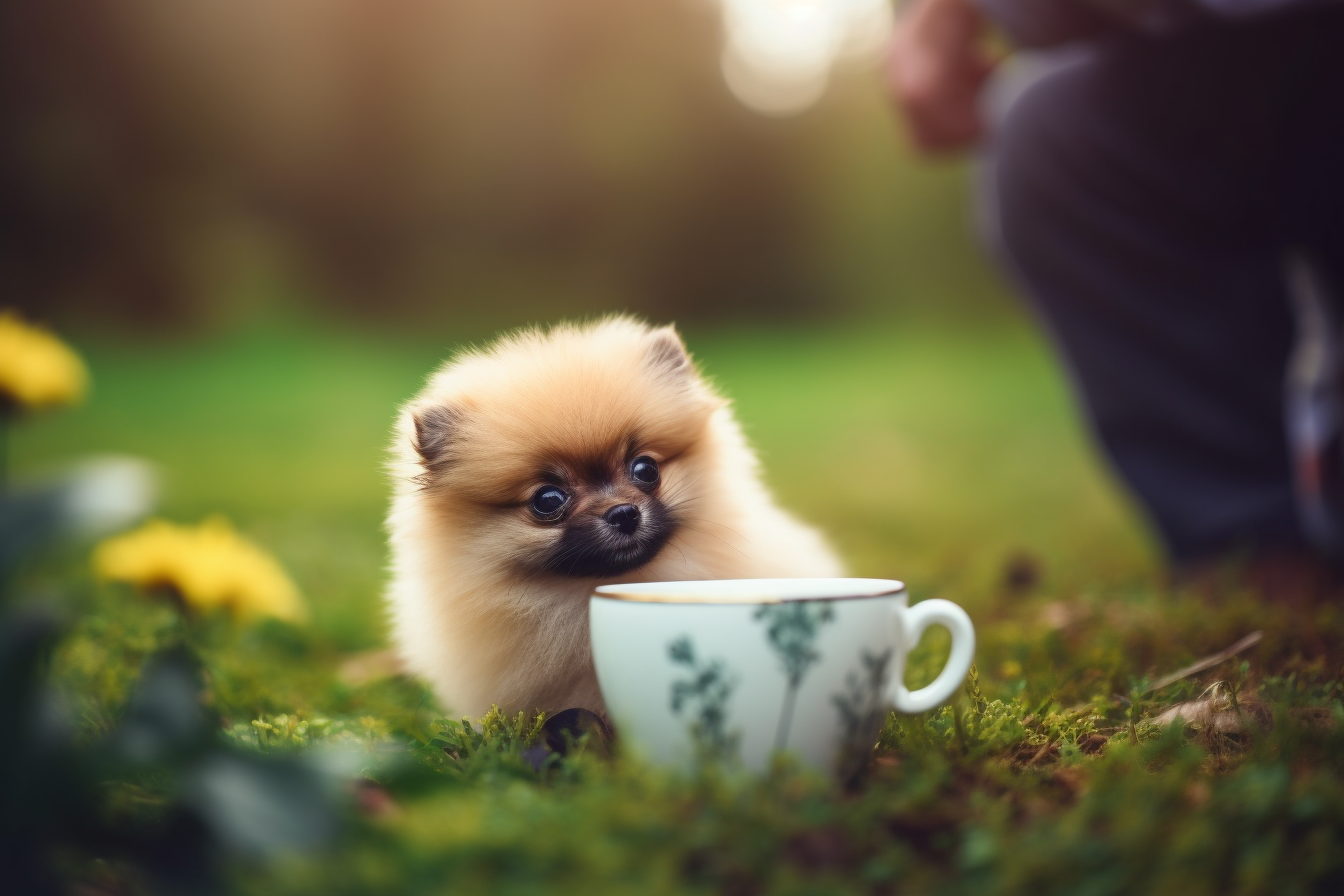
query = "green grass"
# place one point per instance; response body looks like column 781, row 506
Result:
column 931, row 454
column 949, row 456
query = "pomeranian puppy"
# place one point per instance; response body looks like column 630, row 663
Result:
column 548, row 463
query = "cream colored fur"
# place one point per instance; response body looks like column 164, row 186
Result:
column 468, row 612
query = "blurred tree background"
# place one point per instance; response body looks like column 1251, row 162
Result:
column 264, row 223
column 461, row 165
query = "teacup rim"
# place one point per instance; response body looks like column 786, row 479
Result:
column 771, row 590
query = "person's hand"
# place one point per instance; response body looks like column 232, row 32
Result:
column 936, row 66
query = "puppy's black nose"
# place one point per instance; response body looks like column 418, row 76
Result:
column 624, row 517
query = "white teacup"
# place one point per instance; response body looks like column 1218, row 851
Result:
column 738, row 669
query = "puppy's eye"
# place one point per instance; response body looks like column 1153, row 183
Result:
column 548, row 501
column 644, row 470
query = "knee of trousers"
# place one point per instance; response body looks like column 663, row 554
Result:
column 1039, row 175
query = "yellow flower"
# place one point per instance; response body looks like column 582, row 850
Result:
column 36, row 369
column 209, row 567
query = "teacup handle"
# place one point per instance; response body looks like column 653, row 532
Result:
column 911, row 621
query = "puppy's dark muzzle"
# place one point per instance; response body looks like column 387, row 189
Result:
column 621, row 538
column 624, row 518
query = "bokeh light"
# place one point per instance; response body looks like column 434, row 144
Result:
column 778, row 54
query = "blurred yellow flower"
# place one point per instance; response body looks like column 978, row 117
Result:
column 36, row 369
column 209, row 567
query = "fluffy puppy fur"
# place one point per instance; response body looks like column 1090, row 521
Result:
column 550, row 462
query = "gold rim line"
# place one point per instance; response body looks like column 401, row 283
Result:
column 715, row 600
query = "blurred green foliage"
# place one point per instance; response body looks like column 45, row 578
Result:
column 184, row 168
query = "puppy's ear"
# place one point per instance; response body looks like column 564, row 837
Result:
column 434, row 429
column 666, row 353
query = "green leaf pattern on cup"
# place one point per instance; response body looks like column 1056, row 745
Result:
column 862, row 707
column 792, row 630
column 705, row 696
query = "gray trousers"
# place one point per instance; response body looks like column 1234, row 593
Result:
column 1161, row 202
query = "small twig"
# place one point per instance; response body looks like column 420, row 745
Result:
column 1207, row 662
column 1045, row 748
